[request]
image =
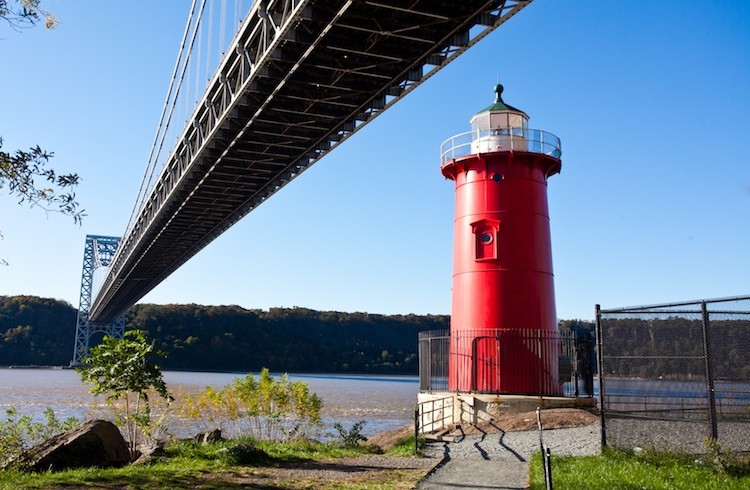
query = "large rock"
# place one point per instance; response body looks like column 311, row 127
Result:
column 93, row 443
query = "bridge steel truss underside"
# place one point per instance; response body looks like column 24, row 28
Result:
column 301, row 77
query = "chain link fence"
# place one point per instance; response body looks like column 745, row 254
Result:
column 674, row 376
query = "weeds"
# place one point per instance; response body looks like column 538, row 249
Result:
column 405, row 447
column 724, row 461
column 353, row 436
column 265, row 408
column 19, row 432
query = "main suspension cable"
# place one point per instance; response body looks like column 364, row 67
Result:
column 149, row 163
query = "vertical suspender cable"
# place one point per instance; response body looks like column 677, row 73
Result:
column 186, row 93
column 209, row 61
column 163, row 112
column 223, row 26
column 199, row 54
column 178, row 92
column 236, row 22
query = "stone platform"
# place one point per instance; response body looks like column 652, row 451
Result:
column 439, row 409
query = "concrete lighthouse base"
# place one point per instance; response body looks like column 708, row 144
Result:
column 438, row 409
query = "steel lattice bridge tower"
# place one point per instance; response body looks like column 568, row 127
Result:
column 298, row 78
column 97, row 256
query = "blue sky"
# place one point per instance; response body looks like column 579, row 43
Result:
column 650, row 99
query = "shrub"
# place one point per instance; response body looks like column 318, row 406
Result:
column 246, row 453
column 353, row 436
column 264, row 408
column 19, row 432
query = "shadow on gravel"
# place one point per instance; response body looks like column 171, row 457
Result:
column 482, row 452
column 443, row 462
column 510, row 449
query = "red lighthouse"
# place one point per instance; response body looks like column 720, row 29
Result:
column 503, row 321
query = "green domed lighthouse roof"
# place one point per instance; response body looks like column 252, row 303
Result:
column 499, row 105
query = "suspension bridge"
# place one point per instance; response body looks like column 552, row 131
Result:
column 260, row 92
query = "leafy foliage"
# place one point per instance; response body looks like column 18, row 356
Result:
column 246, row 453
column 229, row 338
column 19, row 432
column 20, row 14
column 265, row 408
column 284, row 339
column 350, row 437
column 26, row 176
column 38, row 331
column 122, row 370
column 25, row 173
column 35, row 331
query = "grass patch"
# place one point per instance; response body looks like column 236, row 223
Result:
column 189, row 464
column 405, row 447
column 161, row 475
column 625, row 470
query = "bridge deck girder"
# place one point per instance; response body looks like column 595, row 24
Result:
column 302, row 76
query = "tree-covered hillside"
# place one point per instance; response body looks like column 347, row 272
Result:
column 37, row 331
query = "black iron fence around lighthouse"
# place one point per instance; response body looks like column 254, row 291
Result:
column 570, row 353
column 676, row 376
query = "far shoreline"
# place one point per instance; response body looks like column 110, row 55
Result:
column 329, row 374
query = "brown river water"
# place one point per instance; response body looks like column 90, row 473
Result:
column 384, row 402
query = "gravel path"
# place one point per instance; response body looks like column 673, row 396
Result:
column 501, row 460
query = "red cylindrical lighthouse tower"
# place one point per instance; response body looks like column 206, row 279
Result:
column 503, row 321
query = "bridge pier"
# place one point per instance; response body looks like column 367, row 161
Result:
column 97, row 255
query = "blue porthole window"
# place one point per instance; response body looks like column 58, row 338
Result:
column 497, row 177
column 486, row 238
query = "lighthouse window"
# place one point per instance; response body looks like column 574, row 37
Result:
column 485, row 239
column 497, row 177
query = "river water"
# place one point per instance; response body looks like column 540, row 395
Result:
column 385, row 402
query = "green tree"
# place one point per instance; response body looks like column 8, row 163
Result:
column 123, row 370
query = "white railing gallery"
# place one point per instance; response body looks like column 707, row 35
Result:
column 500, row 139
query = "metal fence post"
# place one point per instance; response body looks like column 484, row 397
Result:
column 546, row 455
column 429, row 364
column 543, row 358
column 575, row 355
column 416, row 429
column 709, row 373
column 600, row 371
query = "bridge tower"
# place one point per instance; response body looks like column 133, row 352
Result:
column 97, row 255
column 503, row 323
